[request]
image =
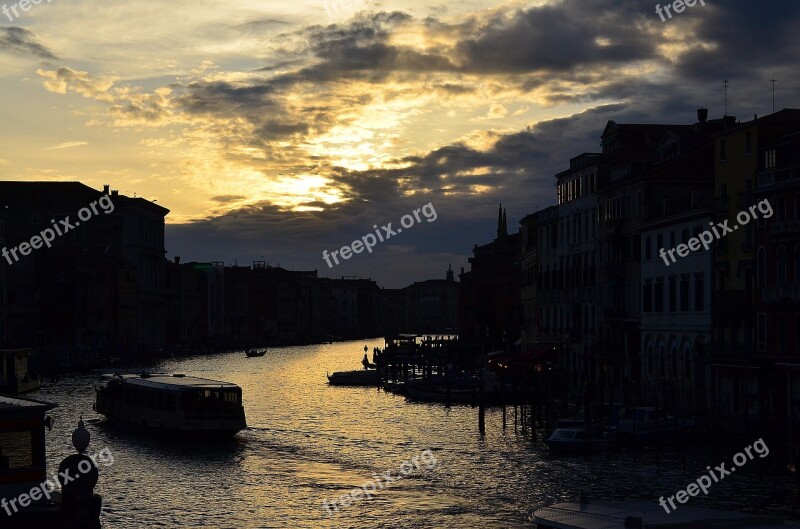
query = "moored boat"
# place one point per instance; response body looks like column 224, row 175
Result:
column 252, row 353
column 359, row 377
column 646, row 424
column 172, row 404
column 574, row 440
column 438, row 393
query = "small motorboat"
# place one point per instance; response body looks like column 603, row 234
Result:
column 360, row 377
column 251, row 353
column 567, row 441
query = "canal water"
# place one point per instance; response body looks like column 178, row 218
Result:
column 309, row 442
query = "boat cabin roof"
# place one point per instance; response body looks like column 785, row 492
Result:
column 613, row 515
column 175, row 382
column 16, row 407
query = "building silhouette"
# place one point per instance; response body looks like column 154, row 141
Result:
column 490, row 290
column 718, row 327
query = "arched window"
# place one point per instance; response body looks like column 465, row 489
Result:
column 781, row 265
column 687, row 363
column 674, row 359
column 761, row 268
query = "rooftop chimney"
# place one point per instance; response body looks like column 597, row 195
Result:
column 702, row 115
column 105, row 189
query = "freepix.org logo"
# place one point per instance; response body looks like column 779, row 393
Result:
column 22, row 5
column 717, row 231
column 46, row 488
column 386, row 232
column 60, row 228
column 678, row 6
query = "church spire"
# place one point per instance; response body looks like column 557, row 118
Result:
column 502, row 227
column 499, row 220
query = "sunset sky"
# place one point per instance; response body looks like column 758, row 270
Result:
column 275, row 130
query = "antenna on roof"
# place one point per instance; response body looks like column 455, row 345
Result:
column 773, row 94
column 725, row 85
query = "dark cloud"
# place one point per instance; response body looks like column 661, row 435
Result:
column 742, row 39
column 260, row 25
column 278, row 129
column 586, row 52
column 22, row 41
column 224, row 199
column 526, row 160
column 560, row 38
column 226, row 99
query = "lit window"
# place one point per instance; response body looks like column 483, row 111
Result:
column 769, row 159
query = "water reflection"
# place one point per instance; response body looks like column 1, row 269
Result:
column 308, row 442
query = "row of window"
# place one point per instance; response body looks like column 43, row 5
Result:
column 651, row 251
column 150, row 399
column 616, row 208
column 154, row 399
column 572, row 230
column 576, row 188
column 563, row 319
column 672, row 294
column 577, row 271
column 659, row 362
column 781, row 261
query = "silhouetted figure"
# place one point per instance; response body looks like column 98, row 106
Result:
column 365, row 361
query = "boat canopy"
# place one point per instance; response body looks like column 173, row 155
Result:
column 174, row 382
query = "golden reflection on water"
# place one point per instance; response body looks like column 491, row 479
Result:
column 309, row 442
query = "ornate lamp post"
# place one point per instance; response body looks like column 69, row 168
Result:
column 78, row 475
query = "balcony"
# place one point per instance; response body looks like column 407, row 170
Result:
column 780, row 293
